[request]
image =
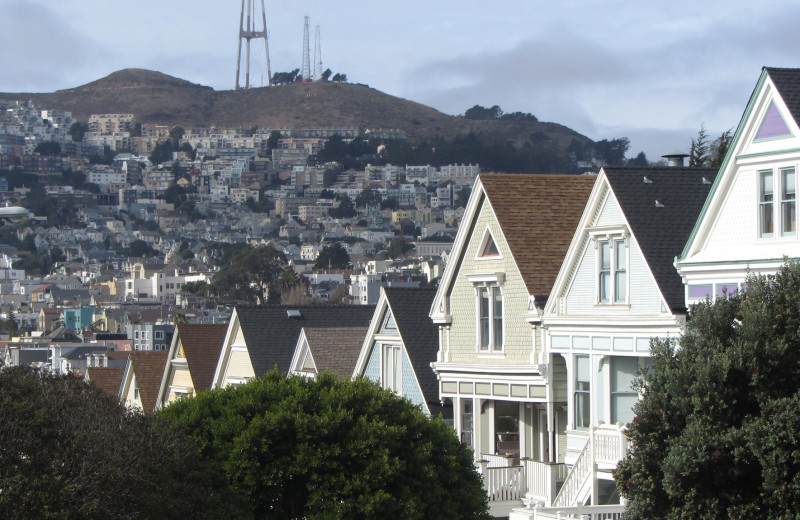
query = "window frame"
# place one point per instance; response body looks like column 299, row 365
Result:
column 486, row 338
column 392, row 367
column 582, row 395
column 618, row 268
column 773, row 205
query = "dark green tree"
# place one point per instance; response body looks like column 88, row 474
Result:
column 333, row 256
column 346, row 208
column 639, row 161
column 77, row 131
column 368, row 197
column 326, row 76
column 397, row 247
column 719, row 149
column 48, row 148
column 612, row 151
column 272, row 140
column 249, row 275
column 716, row 432
column 698, row 154
column 390, row 203
column 339, row 78
column 141, row 248
column 330, row 448
column 72, row 451
column 479, row 112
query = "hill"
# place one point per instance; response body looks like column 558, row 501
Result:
column 154, row 97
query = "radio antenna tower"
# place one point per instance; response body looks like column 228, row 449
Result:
column 306, row 70
column 317, row 56
column 247, row 33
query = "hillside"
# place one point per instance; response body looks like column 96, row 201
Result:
column 158, row 98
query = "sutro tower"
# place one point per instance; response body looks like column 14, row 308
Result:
column 305, row 72
column 247, row 33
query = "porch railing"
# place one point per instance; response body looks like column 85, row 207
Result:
column 611, row 512
column 503, row 484
column 500, row 461
column 542, row 479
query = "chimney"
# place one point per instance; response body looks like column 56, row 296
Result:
column 675, row 160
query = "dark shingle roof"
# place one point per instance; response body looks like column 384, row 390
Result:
column 335, row 349
column 661, row 232
column 148, row 367
column 107, row 379
column 202, row 344
column 420, row 336
column 787, row 81
column 538, row 215
column 271, row 335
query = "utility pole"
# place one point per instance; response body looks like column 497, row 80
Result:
column 248, row 32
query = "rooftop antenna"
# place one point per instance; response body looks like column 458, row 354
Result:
column 317, row 56
column 305, row 72
column 248, row 32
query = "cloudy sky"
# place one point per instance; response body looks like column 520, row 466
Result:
column 650, row 71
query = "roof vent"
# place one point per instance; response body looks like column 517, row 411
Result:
column 659, row 204
column 647, row 180
column 706, row 180
column 675, row 159
column 293, row 313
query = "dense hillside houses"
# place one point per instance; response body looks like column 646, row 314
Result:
column 519, row 308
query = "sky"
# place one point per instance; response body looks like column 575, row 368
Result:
column 653, row 72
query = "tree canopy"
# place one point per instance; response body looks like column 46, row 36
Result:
column 717, row 429
column 327, row 448
column 333, row 256
column 71, row 451
column 249, row 275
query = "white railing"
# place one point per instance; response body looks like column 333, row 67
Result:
column 503, row 483
column 612, row 512
column 581, row 471
column 542, row 480
column 610, row 444
column 499, row 461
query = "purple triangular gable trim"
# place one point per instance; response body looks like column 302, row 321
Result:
column 773, row 124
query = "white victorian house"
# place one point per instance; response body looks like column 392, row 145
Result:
column 616, row 290
column 749, row 223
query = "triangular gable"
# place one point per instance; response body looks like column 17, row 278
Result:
column 302, row 359
column 775, row 87
column 773, row 125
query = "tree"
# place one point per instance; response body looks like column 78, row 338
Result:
column 390, row 203
column 326, row 75
column 272, row 140
column 176, row 134
column 346, row 208
column 719, row 149
column 479, row 112
column 72, row 451
column 717, row 429
column 339, row 78
column 397, row 247
column 329, row 448
column 612, row 151
column 249, row 275
column 698, row 154
column 77, row 131
column 639, row 161
column 48, row 148
column 368, row 197
column 332, row 257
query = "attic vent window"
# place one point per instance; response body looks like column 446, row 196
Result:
column 659, row 204
column 293, row 313
column 647, row 180
column 706, row 180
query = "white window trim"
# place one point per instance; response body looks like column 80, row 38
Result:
column 611, row 235
column 492, row 283
column 385, row 383
column 777, row 202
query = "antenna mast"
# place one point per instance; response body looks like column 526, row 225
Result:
column 317, row 56
column 306, row 70
column 248, row 32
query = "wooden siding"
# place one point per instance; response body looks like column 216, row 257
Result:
column 239, row 366
column 517, row 342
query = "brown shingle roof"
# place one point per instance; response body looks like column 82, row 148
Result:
column 106, row 379
column 538, row 215
column 335, row 349
column 148, row 367
column 202, row 344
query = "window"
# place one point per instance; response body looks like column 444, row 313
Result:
column 490, row 318
column 765, row 204
column 159, row 334
column 392, row 368
column 583, row 416
column 612, row 261
column 624, row 371
column 466, row 422
column 788, row 202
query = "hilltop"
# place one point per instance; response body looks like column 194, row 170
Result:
column 154, row 97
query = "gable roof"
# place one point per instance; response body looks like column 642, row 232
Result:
column 787, row 81
column 107, row 379
column 271, row 334
column 335, row 349
column 148, row 368
column 662, row 231
column 538, row 215
column 202, row 344
column 420, row 336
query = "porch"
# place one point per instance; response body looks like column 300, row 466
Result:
column 529, row 489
